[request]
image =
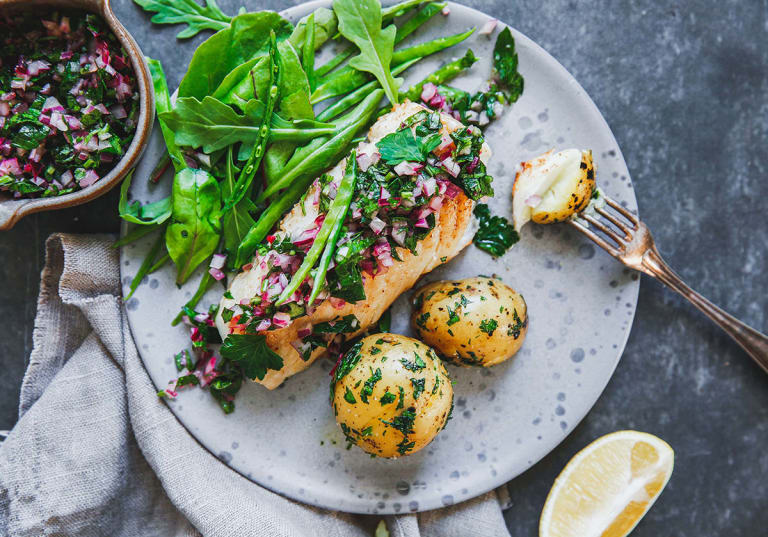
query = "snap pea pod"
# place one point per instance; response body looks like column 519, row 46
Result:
column 348, row 79
column 145, row 267
column 308, row 52
column 447, row 72
column 358, row 95
column 163, row 104
column 324, row 152
column 248, row 172
column 304, row 167
column 329, row 231
column 335, row 220
column 205, row 283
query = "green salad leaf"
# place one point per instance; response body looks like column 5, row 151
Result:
column 360, row 22
column 189, row 12
column 246, row 38
column 193, row 232
column 152, row 213
column 252, row 354
column 505, row 66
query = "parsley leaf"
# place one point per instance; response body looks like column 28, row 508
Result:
column 403, row 146
column 253, row 355
column 348, row 323
column 369, row 384
column 418, row 387
column 505, row 66
column 495, row 235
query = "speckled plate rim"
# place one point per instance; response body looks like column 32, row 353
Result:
column 503, row 477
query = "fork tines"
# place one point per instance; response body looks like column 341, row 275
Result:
column 619, row 227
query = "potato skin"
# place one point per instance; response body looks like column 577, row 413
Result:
column 477, row 321
column 391, row 395
column 571, row 194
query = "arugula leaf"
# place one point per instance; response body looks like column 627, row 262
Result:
column 505, row 65
column 156, row 212
column 188, row 12
column 403, row 146
column 193, row 232
column 495, row 235
column 360, row 22
column 252, row 354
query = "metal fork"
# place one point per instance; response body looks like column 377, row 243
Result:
column 632, row 244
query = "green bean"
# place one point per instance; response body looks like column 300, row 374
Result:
column 335, row 220
column 145, row 267
column 358, row 95
column 322, row 153
column 397, row 10
column 160, row 263
column 205, row 283
column 308, row 52
column 136, row 234
column 348, row 79
column 447, row 72
column 248, row 172
column 163, row 104
column 413, row 24
column 407, row 28
column 302, row 169
column 334, row 62
column 328, row 231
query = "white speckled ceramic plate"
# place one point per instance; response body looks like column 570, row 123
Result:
column 581, row 304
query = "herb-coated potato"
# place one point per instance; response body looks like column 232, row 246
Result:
column 477, row 321
column 553, row 187
column 391, row 395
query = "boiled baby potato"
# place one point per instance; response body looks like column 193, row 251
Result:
column 477, row 321
column 391, row 395
column 553, row 187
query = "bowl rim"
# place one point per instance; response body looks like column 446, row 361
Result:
column 12, row 210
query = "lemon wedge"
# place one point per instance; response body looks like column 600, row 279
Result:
column 608, row 486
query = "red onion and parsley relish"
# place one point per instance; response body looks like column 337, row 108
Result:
column 402, row 182
column 68, row 102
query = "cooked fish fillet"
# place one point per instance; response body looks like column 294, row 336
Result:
column 453, row 231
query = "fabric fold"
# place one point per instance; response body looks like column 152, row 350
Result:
column 95, row 452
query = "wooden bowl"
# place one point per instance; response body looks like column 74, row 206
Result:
column 11, row 210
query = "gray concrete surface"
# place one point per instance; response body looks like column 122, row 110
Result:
column 684, row 85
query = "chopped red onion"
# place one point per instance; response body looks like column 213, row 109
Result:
column 428, row 91
column 435, row 203
column 533, row 200
column 377, row 225
column 488, row 27
column 90, row 178
column 304, row 332
column 263, row 325
column 118, row 111
column 34, row 68
column 408, row 168
column 5, row 110
column 422, row 222
column 430, row 186
column 451, row 166
column 446, row 11
column 281, row 319
column 218, row 260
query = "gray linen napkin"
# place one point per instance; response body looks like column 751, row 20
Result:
column 95, row 452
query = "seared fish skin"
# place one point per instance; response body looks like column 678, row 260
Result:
column 452, row 232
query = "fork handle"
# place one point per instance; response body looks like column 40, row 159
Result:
column 752, row 341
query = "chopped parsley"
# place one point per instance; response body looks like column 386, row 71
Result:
column 495, row 234
column 489, row 326
column 349, row 323
column 418, row 387
column 369, row 384
column 349, row 397
column 421, row 320
column 387, row 398
column 417, row 364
